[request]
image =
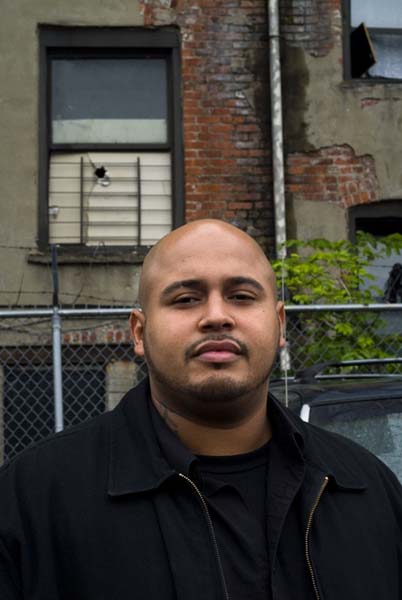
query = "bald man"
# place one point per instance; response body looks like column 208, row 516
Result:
column 199, row 485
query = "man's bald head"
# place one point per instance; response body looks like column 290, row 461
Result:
column 190, row 238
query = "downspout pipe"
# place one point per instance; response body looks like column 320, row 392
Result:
column 277, row 128
column 57, row 355
column 278, row 169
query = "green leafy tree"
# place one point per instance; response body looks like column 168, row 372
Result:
column 322, row 272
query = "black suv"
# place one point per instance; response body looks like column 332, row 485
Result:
column 363, row 405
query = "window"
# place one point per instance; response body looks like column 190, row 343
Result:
column 374, row 39
column 111, row 166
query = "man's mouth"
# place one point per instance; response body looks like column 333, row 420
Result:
column 222, row 351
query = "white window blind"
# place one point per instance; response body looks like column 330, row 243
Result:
column 110, row 199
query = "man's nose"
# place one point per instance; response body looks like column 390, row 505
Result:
column 216, row 314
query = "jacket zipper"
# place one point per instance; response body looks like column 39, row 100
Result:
column 307, row 537
column 211, row 531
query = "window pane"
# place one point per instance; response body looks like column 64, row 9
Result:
column 388, row 52
column 120, row 100
column 376, row 14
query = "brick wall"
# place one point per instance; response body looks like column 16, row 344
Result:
column 333, row 174
column 314, row 25
column 112, row 333
column 225, row 108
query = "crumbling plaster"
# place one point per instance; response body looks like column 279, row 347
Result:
column 344, row 114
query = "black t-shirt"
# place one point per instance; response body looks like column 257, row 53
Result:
column 235, row 491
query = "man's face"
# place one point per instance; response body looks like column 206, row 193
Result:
column 211, row 326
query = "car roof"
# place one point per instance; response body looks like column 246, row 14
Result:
column 313, row 386
column 329, row 390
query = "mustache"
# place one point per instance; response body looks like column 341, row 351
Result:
column 192, row 349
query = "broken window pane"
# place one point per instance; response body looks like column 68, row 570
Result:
column 388, row 53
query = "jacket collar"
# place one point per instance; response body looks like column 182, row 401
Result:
column 137, row 462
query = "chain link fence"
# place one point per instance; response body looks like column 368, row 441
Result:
column 97, row 362
column 317, row 334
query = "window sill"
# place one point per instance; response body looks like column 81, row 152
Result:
column 86, row 256
column 370, row 82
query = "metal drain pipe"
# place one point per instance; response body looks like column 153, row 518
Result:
column 276, row 127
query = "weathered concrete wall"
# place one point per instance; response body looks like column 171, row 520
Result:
column 121, row 375
column 342, row 137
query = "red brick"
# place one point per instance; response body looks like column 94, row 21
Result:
column 226, row 151
column 333, row 174
column 240, row 205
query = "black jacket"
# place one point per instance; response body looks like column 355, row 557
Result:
column 97, row 513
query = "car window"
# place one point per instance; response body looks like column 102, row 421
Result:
column 373, row 424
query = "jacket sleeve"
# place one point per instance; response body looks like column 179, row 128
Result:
column 10, row 569
column 9, row 589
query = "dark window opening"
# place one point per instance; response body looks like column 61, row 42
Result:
column 379, row 226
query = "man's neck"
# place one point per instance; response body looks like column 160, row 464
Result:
column 247, row 435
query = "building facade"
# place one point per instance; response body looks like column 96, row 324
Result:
column 120, row 121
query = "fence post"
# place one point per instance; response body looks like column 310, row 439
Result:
column 56, row 347
column 57, row 371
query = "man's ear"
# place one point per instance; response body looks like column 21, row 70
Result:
column 137, row 320
column 280, row 309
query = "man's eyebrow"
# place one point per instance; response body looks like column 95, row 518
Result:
column 184, row 283
column 245, row 281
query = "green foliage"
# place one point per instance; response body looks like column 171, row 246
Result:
column 322, row 272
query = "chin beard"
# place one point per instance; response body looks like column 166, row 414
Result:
column 216, row 389
column 215, row 401
column 213, row 390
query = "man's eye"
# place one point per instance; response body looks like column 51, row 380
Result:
column 242, row 297
column 185, row 300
